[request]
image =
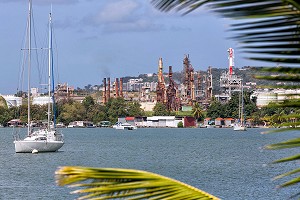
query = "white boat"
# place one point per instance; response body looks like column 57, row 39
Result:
column 124, row 126
column 240, row 124
column 47, row 139
column 239, row 127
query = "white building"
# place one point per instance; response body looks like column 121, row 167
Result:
column 266, row 96
column 41, row 100
column 34, row 92
column 162, row 121
column 12, row 100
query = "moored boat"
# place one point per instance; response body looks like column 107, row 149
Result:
column 47, row 139
column 124, row 126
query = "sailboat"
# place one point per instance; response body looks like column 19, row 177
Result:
column 47, row 139
column 240, row 124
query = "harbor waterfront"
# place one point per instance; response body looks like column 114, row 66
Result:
column 227, row 164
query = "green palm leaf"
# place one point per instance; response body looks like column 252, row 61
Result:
column 286, row 144
column 110, row 183
column 269, row 31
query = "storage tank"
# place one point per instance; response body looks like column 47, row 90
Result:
column 265, row 98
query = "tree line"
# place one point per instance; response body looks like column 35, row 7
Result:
column 68, row 110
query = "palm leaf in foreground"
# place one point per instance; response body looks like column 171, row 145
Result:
column 270, row 33
column 113, row 183
column 293, row 143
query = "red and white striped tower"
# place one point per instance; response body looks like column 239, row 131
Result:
column 231, row 60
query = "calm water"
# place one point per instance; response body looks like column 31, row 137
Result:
column 225, row 163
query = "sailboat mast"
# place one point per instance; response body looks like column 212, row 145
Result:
column 29, row 66
column 49, row 70
column 242, row 105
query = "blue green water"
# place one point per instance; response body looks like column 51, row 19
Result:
column 227, row 164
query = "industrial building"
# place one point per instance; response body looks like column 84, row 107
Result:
column 229, row 81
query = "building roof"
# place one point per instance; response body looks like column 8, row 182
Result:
column 155, row 118
column 129, row 118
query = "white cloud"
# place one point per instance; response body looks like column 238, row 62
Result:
column 123, row 16
column 136, row 26
column 117, row 12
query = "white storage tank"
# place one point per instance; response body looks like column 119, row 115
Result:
column 265, row 98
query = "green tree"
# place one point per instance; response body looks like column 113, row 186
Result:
column 38, row 112
column 88, row 102
column 180, row 124
column 3, row 102
column 231, row 109
column 160, row 109
column 134, row 109
column 215, row 110
column 89, row 105
column 197, row 111
column 21, row 94
column 23, row 114
column 5, row 115
column 72, row 112
column 116, row 107
column 97, row 114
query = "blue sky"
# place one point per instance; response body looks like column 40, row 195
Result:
column 114, row 38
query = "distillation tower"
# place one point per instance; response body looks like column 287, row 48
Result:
column 161, row 85
column 229, row 81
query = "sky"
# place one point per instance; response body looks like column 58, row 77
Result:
column 114, row 38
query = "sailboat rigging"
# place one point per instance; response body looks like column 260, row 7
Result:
column 240, row 125
column 47, row 139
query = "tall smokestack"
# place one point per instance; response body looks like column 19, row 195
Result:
column 192, row 86
column 170, row 72
column 160, row 70
column 117, row 87
column 104, row 92
column 231, row 60
column 199, row 81
column 108, row 89
column 121, row 87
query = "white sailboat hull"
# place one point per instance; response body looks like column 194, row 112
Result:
column 41, row 140
column 238, row 127
column 23, row 146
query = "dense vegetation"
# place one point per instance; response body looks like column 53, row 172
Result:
column 69, row 110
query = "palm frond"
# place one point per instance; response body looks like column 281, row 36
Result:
column 289, row 70
column 288, row 159
column 286, row 144
column 280, row 130
column 112, row 183
column 290, row 182
column 269, row 31
column 288, row 174
column 290, row 78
